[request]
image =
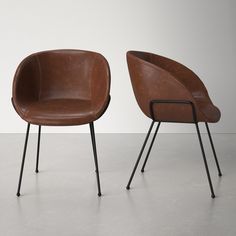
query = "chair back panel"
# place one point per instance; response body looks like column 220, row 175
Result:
column 66, row 74
column 150, row 81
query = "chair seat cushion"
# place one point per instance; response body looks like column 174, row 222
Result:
column 59, row 112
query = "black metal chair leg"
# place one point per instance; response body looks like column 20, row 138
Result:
column 140, row 155
column 205, row 162
column 23, row 160
column 38, row 147
column 213, row 149
column 150, row 148
column 95, row 156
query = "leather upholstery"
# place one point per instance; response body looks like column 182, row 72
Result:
column 61, row 87
column 155, row 77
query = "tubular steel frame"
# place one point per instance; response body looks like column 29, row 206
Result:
column 155, row 133
column 91, row 125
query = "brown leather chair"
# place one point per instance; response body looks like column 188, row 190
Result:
column 61, row 88
column 167, row 91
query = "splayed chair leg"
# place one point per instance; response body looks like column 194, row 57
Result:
column 38, row 148
column 95, row 156
column 140, row 155
column 23, row 160
column 205, row 161
column 150, row 148
column 213, row 149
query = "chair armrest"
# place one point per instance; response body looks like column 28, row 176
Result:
column 26, row 84
column 175, row 102
column 100, row 85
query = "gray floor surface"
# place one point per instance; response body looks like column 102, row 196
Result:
column 172, row 197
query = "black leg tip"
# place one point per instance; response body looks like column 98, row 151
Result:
column 128, row 187
column 220, row 174
column 36, row 171
column 213, row 196
column 142, row 170
column 99, row 194
column 18, row 194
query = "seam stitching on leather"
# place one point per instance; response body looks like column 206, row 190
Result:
column 40, row 76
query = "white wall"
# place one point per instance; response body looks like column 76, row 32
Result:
column 200, row 34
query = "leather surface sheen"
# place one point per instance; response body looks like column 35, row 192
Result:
column 155, row 77
column 61, row 87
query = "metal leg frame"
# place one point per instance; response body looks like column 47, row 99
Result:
column 23, row 159
column 140, row 155
column 213, row 149
column 183, row 102
column 205, row 161
column 37, row 159
column 95, row 156
column 38, row 147
column 150, row 147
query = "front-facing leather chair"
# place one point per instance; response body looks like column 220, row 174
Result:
column 61, row 88
column 167, row 91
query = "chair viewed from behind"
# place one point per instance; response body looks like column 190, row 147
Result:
column 167, row 91
column 61, row 88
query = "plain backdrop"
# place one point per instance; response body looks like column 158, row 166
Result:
column 200, row 34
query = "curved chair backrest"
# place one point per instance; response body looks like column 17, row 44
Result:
column 155, row 77
column 62, row 74
column 167, row 91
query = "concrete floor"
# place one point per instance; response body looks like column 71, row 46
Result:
column 171, row 198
